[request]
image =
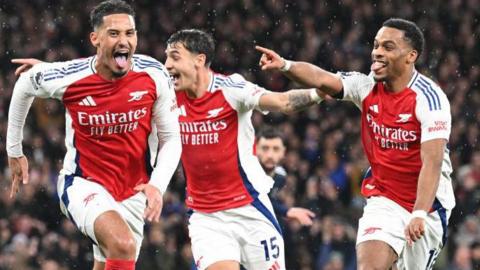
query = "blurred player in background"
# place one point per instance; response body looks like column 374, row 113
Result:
column 233, row 221
column 270, row 150
column 120, row 112
column 406, row 124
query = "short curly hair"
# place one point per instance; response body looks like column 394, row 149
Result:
column 413, row 34
column 109, row 7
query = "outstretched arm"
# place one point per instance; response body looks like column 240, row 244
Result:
column 301, row 72
column 290, row 101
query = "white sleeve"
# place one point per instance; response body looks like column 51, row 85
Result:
column 356, row 86
column 242, row 94
column 165, row 117
column 40, row 81
column 42, row 78
column 435, row 117
column 22, row 99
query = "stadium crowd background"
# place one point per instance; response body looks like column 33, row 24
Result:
column 325, row 161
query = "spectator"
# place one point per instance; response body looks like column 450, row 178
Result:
column 475, row 254
column 461, row 259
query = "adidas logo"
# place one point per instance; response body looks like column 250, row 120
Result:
column 374, row 108
column 88, row 101
column 182, row 111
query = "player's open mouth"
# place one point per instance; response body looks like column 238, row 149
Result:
column 377, row 65
column 121, row 58
column 175, row 77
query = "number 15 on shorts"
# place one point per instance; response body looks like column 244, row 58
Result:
column 271, row 248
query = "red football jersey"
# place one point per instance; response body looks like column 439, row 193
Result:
column 217, row 139
column 393, row 127
column 111, row 126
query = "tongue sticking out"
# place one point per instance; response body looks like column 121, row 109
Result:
column 121, row 61
column 376, row 66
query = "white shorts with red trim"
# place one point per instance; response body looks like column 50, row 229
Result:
column 82, row 201
column 249, row 235
column 385, row 220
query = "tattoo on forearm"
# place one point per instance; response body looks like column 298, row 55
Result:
column 299, row 100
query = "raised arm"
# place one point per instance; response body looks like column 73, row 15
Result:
column 301, row 72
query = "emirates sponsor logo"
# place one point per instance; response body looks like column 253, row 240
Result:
column 112, row 123
column 391, row 138
column 201, row 132
column 391, row 133
column 108, row 118
column 202, row 126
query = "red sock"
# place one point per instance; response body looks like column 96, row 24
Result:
column 115, row 264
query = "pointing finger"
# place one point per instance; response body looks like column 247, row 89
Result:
column 20, row 60
column 262, row 49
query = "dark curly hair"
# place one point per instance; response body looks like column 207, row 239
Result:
column 109, row 7
column 413, row 34
column 196, row 41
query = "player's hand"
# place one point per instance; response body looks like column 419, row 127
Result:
column 270, row 59
column 414, row 230
column 302, row 215
column 26, row 64
column 19, row 170
column 154, row 201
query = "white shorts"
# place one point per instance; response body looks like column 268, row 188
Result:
column 82, row 201
column 249, row 235
column 385, row 220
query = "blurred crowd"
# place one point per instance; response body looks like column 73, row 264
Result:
column 325, row 160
